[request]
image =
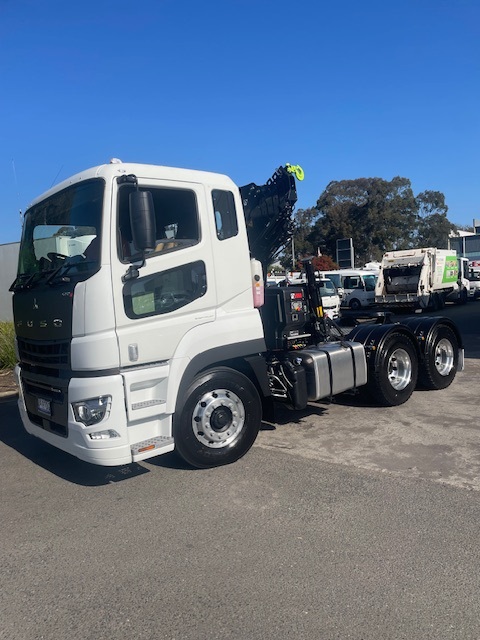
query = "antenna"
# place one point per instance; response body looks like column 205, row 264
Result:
column 58, row 173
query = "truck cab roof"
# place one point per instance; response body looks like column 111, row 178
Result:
column 145, row 171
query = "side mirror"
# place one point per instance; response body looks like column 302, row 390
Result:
column 142, row 220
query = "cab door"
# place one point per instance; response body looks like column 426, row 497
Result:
column 174, row 291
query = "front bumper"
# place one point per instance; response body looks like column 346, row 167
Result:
column 69, row 435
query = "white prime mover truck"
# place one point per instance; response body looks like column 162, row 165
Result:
column 159, row 335
column 421, row 279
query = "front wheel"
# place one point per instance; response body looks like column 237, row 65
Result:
column 440, row 363
column 219, row 420
column 395, row 371
column 355, row 304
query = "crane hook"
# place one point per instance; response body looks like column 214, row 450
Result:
column 295, row 169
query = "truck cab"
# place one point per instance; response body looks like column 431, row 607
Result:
column 474, row 280
column 105, row 331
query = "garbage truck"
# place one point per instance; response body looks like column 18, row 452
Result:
column 140, row 338
column 418, row 279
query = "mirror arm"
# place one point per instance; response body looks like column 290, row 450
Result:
column 133, row 271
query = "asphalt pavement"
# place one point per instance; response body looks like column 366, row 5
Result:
column 350, row 521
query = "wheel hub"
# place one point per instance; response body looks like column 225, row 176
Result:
column 221, row 418
column 399, row 369
column 444, row 357
column 218, row 418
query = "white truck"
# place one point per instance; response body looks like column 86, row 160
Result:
column 474, row 279
column 356, row 286
column 148, row 341
column 420, row 279
column 329, row 295
column 461, row 293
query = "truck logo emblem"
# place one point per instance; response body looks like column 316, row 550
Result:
column 35, row 305
column 57, row 323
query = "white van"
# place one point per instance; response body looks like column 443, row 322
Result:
column 355, row 286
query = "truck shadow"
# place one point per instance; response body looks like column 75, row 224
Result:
column 65, row 466
column 283, row 415
column 61, row 464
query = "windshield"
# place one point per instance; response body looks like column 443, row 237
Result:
column 326, row 288
column 62, row 234
column 370, row 282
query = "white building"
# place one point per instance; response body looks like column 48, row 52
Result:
column 466, row 243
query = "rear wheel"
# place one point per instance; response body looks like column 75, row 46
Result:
column 355, row 304
column 219, row 420
column 440, row 363
column 395, row 371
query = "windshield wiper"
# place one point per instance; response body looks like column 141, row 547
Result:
column 58, row 274
column 28, row 280
column 24, row 281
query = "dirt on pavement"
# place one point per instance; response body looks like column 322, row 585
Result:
column 8, row 385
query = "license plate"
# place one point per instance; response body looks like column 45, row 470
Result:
column 44, row 406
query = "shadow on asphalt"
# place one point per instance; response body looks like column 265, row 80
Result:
column 53, row 460
column 66, row 466
column 283, row 415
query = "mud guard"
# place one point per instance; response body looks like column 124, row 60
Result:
column 373, row 337
column 424, row 327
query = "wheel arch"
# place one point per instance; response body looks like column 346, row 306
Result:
column 373, row 338
column 242, row 357
column 425, row 328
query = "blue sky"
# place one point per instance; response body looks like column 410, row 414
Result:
column 346, row 89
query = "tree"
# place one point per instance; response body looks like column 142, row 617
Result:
column 433, row 226
column 303, row 248
column 304, row 219
column 324, row 263
column 379, row 216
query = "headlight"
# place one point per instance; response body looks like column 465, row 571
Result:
column 93, row 410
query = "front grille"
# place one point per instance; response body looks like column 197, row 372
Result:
column 49, row 425
column 41, row 392
column 45, row 353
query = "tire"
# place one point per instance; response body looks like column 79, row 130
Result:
column 395, row 371
column 439, row 366
column 355, row 304
column 219, row 420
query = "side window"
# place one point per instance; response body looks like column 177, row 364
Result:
column 176, row 218
column 352, row 282
column 335, row 278
column 225, row 214
column 165, row 291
